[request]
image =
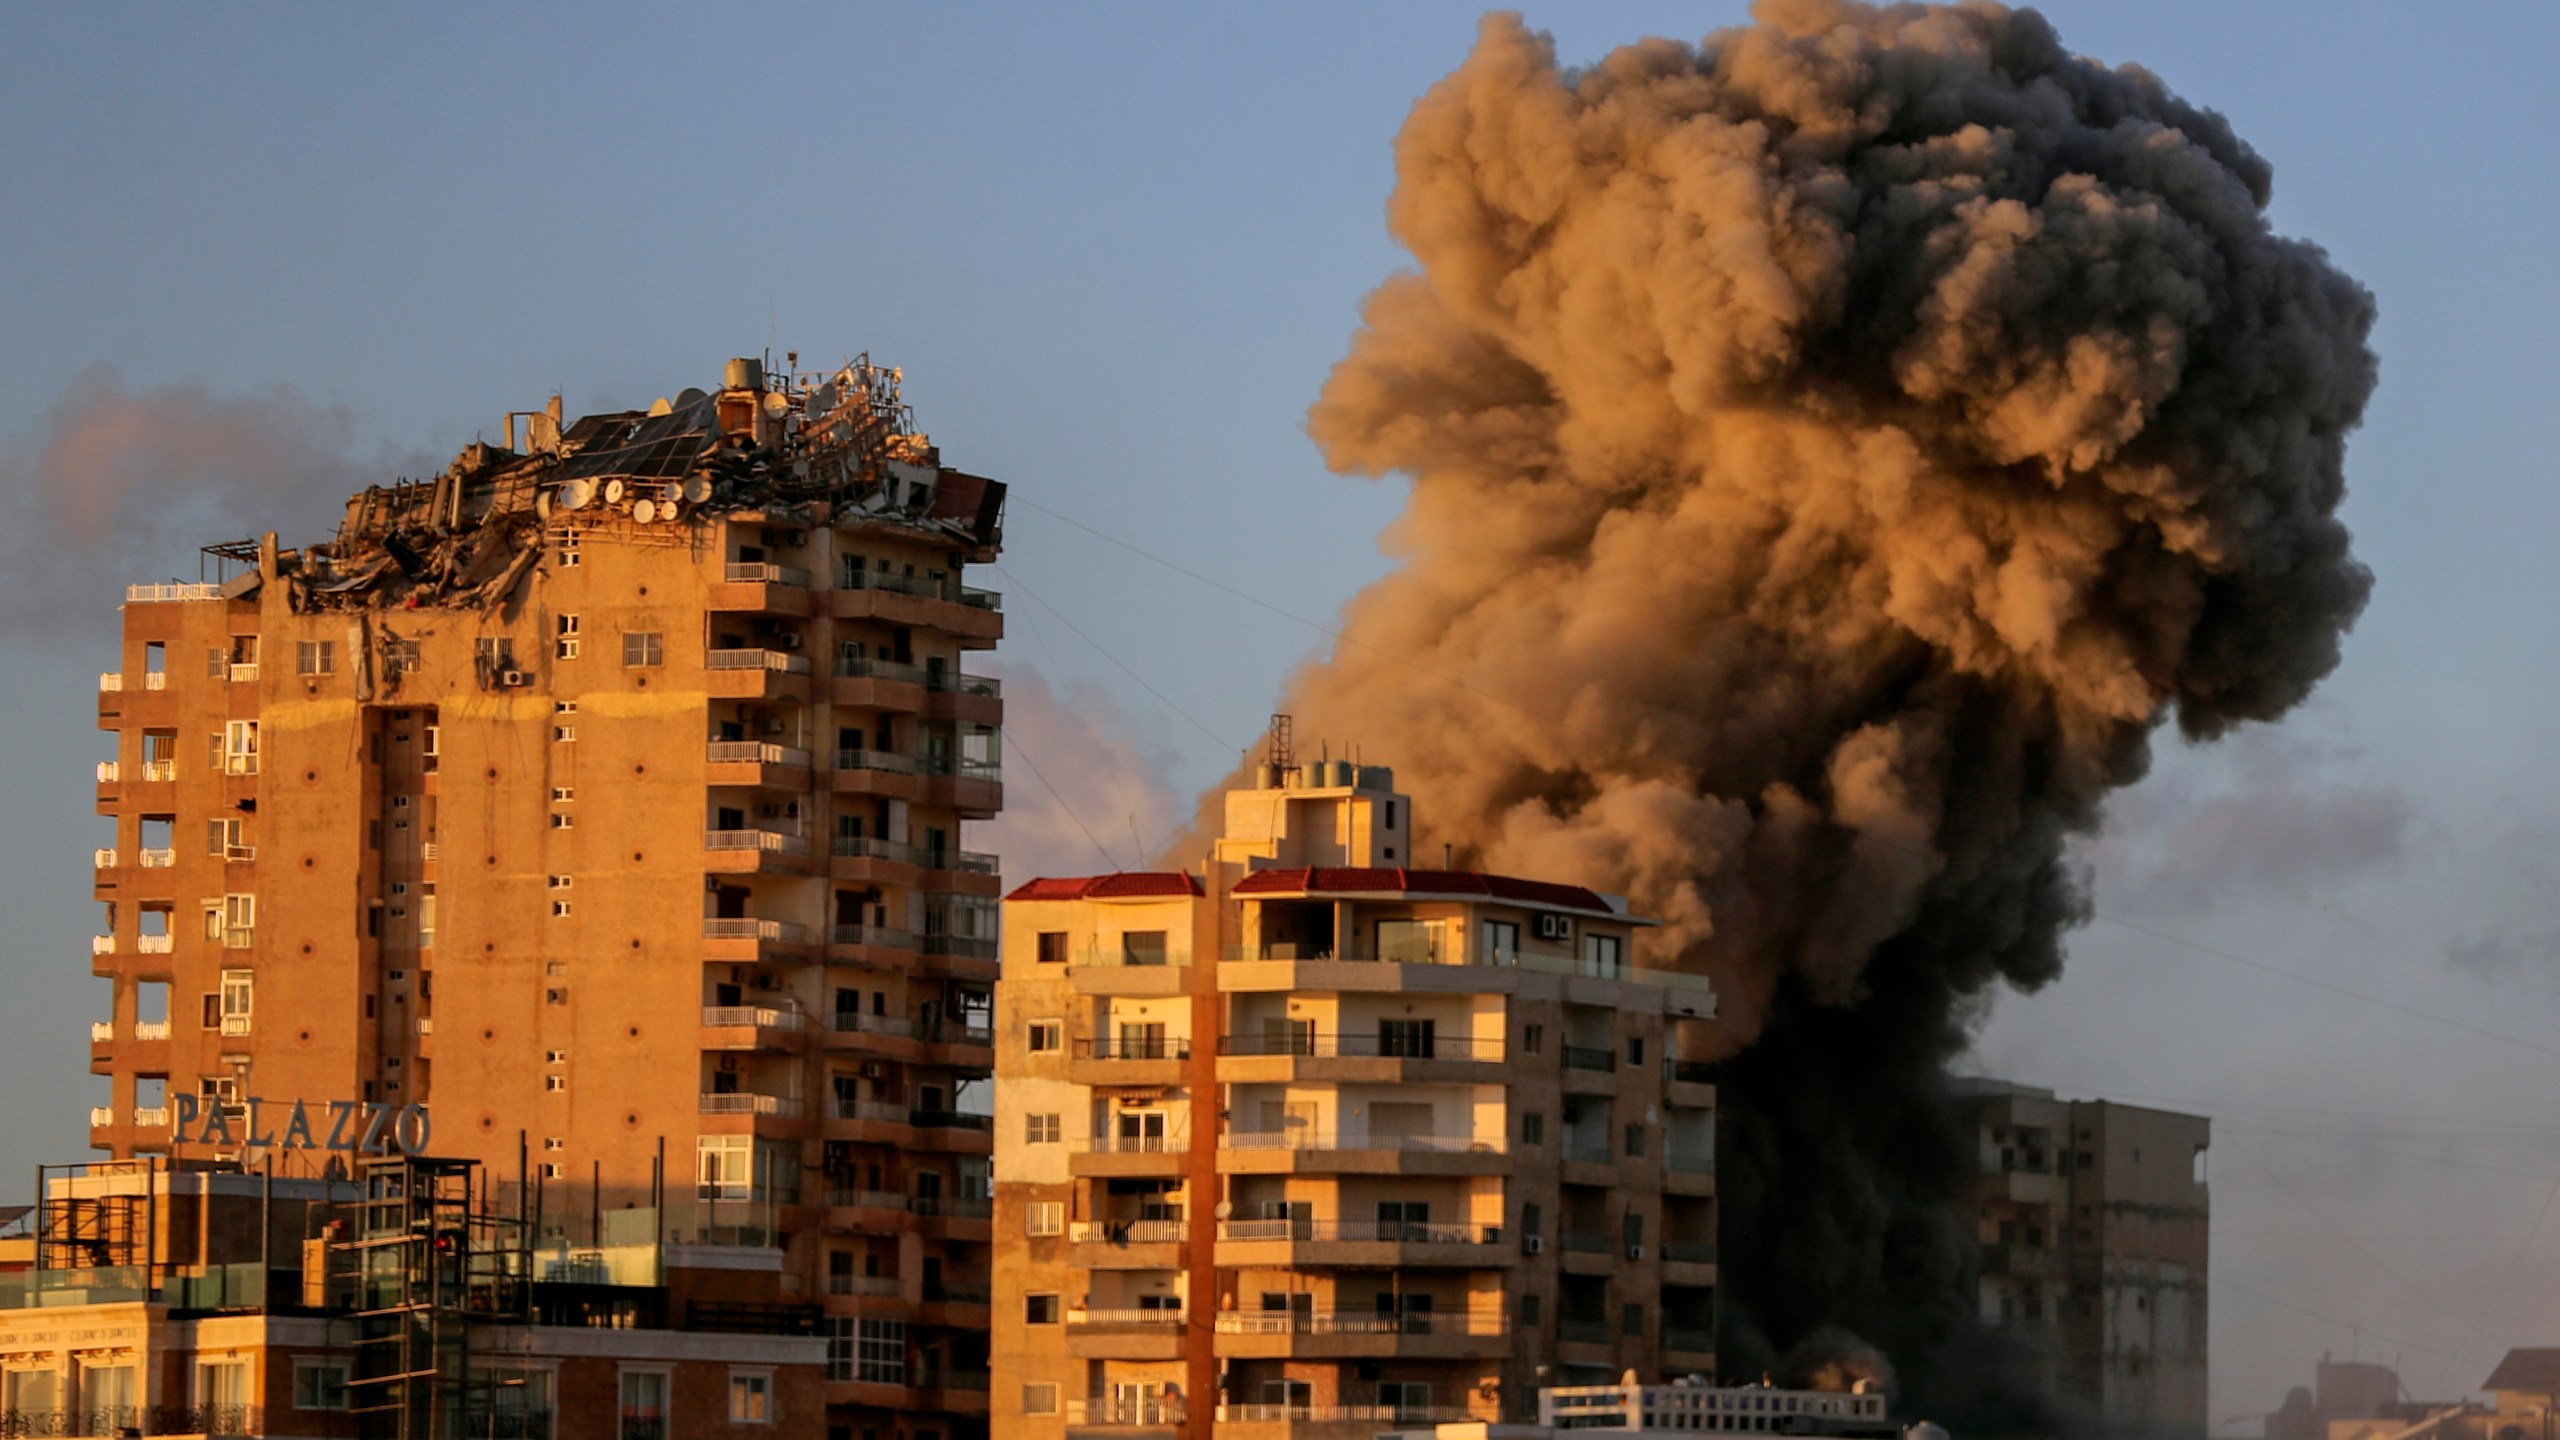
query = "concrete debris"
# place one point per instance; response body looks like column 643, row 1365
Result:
column 795, row 449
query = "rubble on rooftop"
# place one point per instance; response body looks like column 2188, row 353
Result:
column 798, row 449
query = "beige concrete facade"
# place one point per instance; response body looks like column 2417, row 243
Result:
column 1311, row 1143
column 2095, row 1224
column 657, row 853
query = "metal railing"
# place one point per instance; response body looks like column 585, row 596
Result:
column 244, row 672
column 235, row 1024
column 761, row 1017
column 1583, row 1153
column 962, row 683
column 1126, row 1319
column 102, row 944
column 151, row 1117
column 978, row 599
column 101, row 1115
column 846, row 1022
column 1133, row 1145
column 744, row 1102
column 1688, row 1339
column 1127, row 1232
column 160, row 944
column 886, row 761
column 874, row 935
column 1590, row 1057
column 1585, row 1242
column 752, row 572
column 150, row 1029
column 781, row 660
column 1135, row 1047
column 101, row 1031
column 1132, row 1414
column 758, row 840
column 1142, row 959
column 157, row 770
column 754, row 752
column 171, row 590
column 106, row 858
column 1392, row 1232
column 866, row 1199
column 878, row 1111
column 965, row 947
column 1382, row 1416
column 856, row 667
column 948, row 1294
column 1320, row 1046
column 1689, row 1164
column 210, row 1420
column 748, row 927
column 111, row 681
column 1326, row 1140
column 161, row 858
column 1421, row 1322
column 885, row 1285
column 108, row 772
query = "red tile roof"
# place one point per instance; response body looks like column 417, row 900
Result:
column 1119, row 885
column 1319, row 881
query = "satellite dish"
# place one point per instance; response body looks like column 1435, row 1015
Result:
column 644, row 511
column 542, row 504
column 696, row 490
column 776, row 404
column 613, row 492
column 577, row 494
column 662, row 407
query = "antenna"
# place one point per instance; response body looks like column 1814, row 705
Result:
column 1284, row 751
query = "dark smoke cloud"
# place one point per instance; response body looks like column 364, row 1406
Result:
column 1838, row 445
column 123, row 485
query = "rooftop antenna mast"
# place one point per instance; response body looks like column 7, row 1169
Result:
column 1284, row 751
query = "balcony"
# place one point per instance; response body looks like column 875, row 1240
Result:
column 1359, row 1244
column 161, row 858
column 160, row 944
column 170, row 590
column 1698, row 1340
column 1121, row 1416
column 915, row 867
column 741, row 1102
column 1590, row 1057
column 1122, row 972
column 1688, row 1262
column 235, row 1024
column 151, row 1117
column 873, row 937
column 1125, row 1334
column 760, row 587
column 751, row 762
column 1281, row 1152
column 879, row 684
column 1127, row 1244
column 244, row 672
column 1424, row 1335
column 1377, row 1058
column 1117, row 1156
column 975, row 616
column 751, row 851
column 106, row 858
column 750, row 1027
column 756, row 674
column 102, row 944
column 111, row 683
column 969, row 699
column 101, row 1116
column 752, row 939
column 1129, row 1060
column 151, row 1030
column 1347, row 1422
column 109, row 772
column 101, row 1031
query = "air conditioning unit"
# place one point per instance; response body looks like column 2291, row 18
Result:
column 1555, row 927
column 1533, row 1245
column 1635, row 1252
column 514, row 678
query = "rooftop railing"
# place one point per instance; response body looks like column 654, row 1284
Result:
column 1135, row 1047
column 170, row 590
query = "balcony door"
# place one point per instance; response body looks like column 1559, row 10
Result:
column 1142, row 1131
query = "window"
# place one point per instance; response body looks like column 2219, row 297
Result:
column 750, row 1397
column 1406, row 1398
column 724, row 1167
column 494, row 653
column 556, row 1057
column 317, row 657
column 1040, row 1309
column 1533, row 1129
column 562, row 882
column 318, row 1384
column 643, row 647
column 560, row 909
column 556, row 995
column 566, row 553
column 239, row 921
column 224, row 836
column 562, row 820
column 1044, row 1217
column 563, row 794
column 1039, row 1397
column 555, row 1083
column 553, row 1170
column 1407, row 1039
column 1603, row 955
column 1142, row 947
column 1635, row 1142
column 240, row 747
column 1039, row 1129
column 564, row 639
column 554, row 1142
column 1044, row 1036
column 881, row 1357
column 1631, row 1320
column 1053, row 947
column 1533, row 1038
column 644, row 1405
column 235, row 1002
column 564, row 707
column 1500, row 940
column 1635, row 1050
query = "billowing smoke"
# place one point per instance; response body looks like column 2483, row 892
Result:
column 1836, row 447
column 125, row 483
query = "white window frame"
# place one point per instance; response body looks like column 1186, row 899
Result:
column 1042, row 1219
column 565, row 637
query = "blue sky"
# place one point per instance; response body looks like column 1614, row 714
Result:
column 1117, row 247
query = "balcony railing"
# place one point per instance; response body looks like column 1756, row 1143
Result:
column 950, row 1120
column 1325, row 1140
column 1689, row 1252
column 235, row 1024
column 151, row 1030
column 1583, row 1331
column 101, row 1115
column 171, row 590
column 854, row 667
column 1127, row 1414
column 102, row 944
column 151, row 1117
column 965, row 684
column 101, row 1031
column 106, row 858
column 948, row 1294
column 1387, row 1047
column 753, row 752
column 761, row 1017
column 1583, row 1152
column 1688, row 1339
column 748, row 927
column 1127, row 1232
column 1590, row 1057
column 965, row 947
column 1392, row 1232
column 978, row 599
column 1384, row 1417
column 1689, row 1072
column 742, row 1102
column 1586, row 1242
column 1135, row 1047
column 161, row 858
column 110, row 682
column 866, row 1199
column 244, row 672
column 1689, row 1164
column 757, row 840
column 157, row 770
column 108, row 772
column 849, row 1022
column 1425, row 1322
column 1126, row 1319
column 878, row 1111
column 882, row 1285
column 882, row 935
column 1097, row 955
column 779, row 660
column 750, row 572
column 885, row 761
column 1133, row 1145
column 160, row 944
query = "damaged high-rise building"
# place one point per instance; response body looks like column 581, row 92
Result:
column 596, row 810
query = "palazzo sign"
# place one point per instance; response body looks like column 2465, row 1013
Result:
column 350, row 1126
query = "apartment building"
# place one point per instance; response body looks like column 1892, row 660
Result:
column 1311, row 1142
column 595, row 810
column 2095, row 1220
